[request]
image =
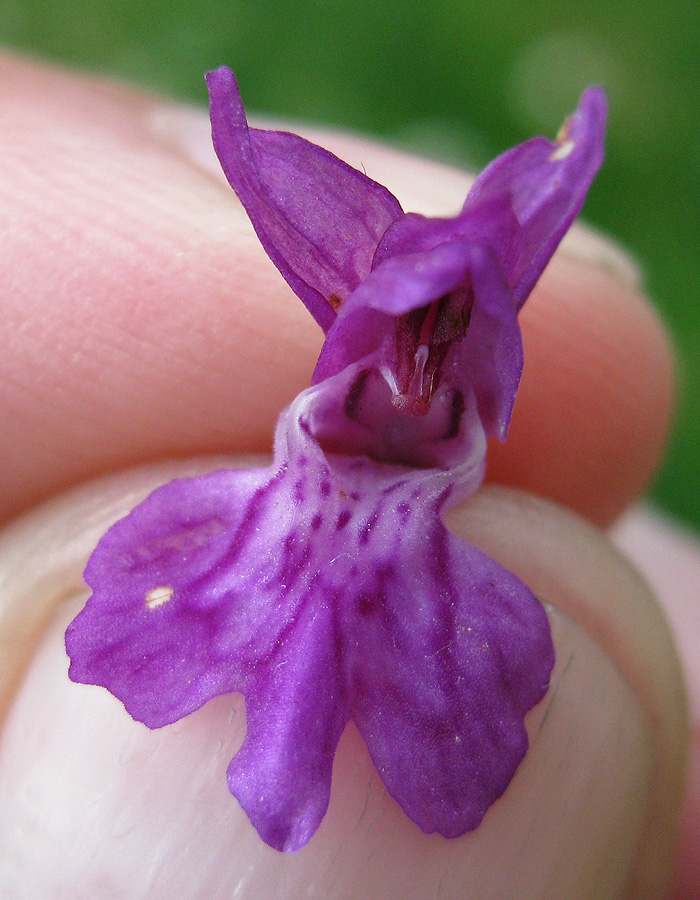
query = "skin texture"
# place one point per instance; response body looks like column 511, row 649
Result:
column 145, row 323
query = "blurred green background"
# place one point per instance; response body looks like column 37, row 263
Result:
column 460, row 80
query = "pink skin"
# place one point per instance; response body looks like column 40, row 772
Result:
column 669, row 559
column 132, row 328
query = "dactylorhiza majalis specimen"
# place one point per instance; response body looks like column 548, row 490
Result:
column 326, row 587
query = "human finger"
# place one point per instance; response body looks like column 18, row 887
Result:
column 95, row 805
column 142, row 320
column 669, row 558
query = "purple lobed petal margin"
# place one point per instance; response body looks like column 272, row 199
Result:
column 323, row 588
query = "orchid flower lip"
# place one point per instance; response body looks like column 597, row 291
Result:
column 326, row 587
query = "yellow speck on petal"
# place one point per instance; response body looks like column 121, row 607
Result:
column 562, row 151
column 158, row 596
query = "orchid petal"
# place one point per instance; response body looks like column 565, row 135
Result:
column 395, row 287
column 318, row 218
column 295, row 715
column 453, row 652
column 368, row 423
column 492, row 222
column 547, row 182
column 444, row 651
column 189, row 602
column 185, row 603
column 276, row 583
column 490, row 358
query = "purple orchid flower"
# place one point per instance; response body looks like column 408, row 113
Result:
column 326, row 587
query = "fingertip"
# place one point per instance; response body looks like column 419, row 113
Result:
column 596, row 398
column 669, row 558
column 565, row 560
column 599, row 777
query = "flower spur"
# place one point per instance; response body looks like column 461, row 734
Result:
column 326, row 587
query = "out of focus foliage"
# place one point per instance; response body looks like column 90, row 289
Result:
column 457, row 79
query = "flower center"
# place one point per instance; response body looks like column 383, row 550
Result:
column 423, row 339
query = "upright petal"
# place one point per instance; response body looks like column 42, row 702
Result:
column 492, row 223
column 547, row 183
column 452, row 652
column 490, row 358
column 396, row 286
column 488, row 361
column 319, row 219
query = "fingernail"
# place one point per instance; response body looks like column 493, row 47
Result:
column 587, row 245
column 186, row 129
column 669, row 558
column 574, row 567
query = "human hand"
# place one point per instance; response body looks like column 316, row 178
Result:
column 141, row 322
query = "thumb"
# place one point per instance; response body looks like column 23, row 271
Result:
column 95, row 805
